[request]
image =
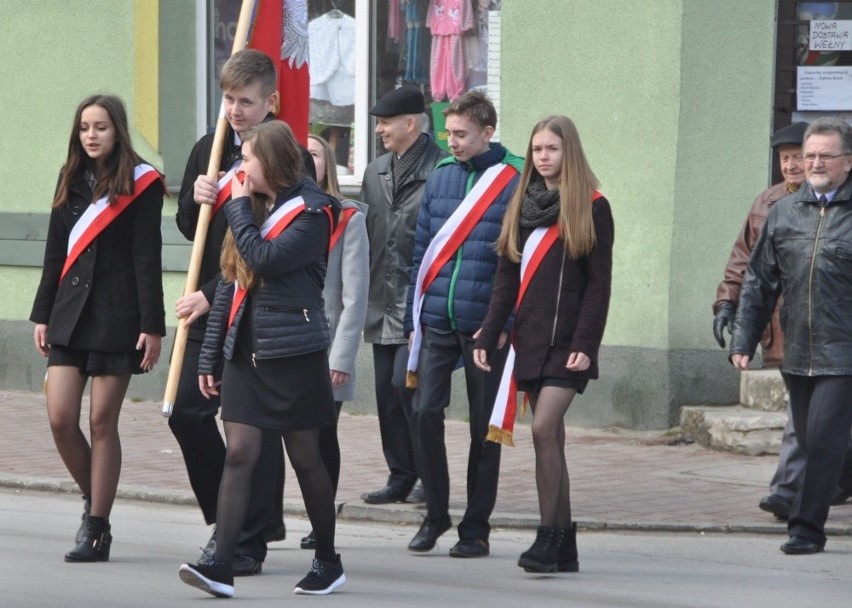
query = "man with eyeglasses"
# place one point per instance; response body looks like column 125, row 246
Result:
column 805, row 255
column 787, row 143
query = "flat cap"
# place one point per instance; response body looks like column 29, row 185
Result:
column 403, row 100
column 791, row 135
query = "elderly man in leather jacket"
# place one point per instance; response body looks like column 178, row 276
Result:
column 392, row 188
column 805, row 255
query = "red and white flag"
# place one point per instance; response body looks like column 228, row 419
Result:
column 280, row 29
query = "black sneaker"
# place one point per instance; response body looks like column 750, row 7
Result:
column 210, row 576
column 323, row 578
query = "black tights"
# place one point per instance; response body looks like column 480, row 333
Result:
column 330, row 450
column 303, row 449
column 551, row 471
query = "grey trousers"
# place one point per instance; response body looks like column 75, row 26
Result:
column 791, row 463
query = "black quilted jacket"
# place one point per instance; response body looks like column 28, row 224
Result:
column 288, row 308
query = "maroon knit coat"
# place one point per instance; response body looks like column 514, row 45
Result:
column 552, row 322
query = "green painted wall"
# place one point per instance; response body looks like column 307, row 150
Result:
column 613, row 68
column 723, row 153
column 177, row 87
column 66, row 54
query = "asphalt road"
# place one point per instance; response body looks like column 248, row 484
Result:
column 635, row 570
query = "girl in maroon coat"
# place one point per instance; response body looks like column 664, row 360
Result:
column 560, row 321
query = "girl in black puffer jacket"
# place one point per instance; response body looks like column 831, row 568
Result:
column 268, row 334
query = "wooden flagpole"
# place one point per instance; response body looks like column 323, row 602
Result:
column 240, row 40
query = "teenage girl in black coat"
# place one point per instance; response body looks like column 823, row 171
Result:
column 99, row 309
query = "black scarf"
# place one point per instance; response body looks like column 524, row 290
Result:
column 403, row 166
column 540, row 206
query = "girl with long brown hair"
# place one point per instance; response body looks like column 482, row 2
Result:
column 99, row 307
column 266, row 343
column 558, row 233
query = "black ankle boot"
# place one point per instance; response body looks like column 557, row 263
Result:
column 566, row 549
column 87, row 507
column 541, row 557
column 95, row 544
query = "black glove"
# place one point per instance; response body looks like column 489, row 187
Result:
column 724, row 318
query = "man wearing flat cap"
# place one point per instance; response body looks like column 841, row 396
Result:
column 787, row 143
column 392, row 189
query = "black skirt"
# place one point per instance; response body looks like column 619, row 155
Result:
column 282, row 394
column 535, row 386
column 94, row 363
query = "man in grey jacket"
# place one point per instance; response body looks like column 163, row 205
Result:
column 392, row 188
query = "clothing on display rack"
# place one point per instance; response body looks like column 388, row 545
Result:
column 332, row 68
column 448, row 20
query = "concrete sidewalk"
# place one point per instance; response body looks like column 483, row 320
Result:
column 621, row 480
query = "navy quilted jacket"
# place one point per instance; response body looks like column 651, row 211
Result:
column 458, row 298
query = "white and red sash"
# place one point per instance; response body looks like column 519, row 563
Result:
column 502, row 422
column 447, row 241
column 344, row 218
column 271, row 228
column 223, row 187
column 101, row 213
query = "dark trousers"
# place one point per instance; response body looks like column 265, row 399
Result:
column 822, row 418
column 193, row 423
column 791, row 465
column 439, row 354
column 393, row 402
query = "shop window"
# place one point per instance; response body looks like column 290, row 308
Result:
column 361, row 49
column 813, row 56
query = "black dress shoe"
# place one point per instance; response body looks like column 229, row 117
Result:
column 798, row 545
column 839, row 497
column 428, row 534
column 777, row 505
column 470, row 547
column 417, row 494
column 246, row 565
column 384, row 496
column 309, row 541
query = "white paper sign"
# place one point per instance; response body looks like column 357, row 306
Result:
column 831, row 36
column 494, row 65
column 824, row 88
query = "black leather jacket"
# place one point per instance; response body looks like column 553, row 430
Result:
column 287, row 303
column 391, row 220
column 805, row 254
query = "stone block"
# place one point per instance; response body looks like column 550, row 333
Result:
column 764, row 390
column 734, row 429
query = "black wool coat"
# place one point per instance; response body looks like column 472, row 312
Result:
column 114, row 290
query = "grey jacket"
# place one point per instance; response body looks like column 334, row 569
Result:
column 347, row 283
column 390, row 225
column 804, row 254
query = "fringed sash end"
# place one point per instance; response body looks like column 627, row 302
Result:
column 498, row 435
